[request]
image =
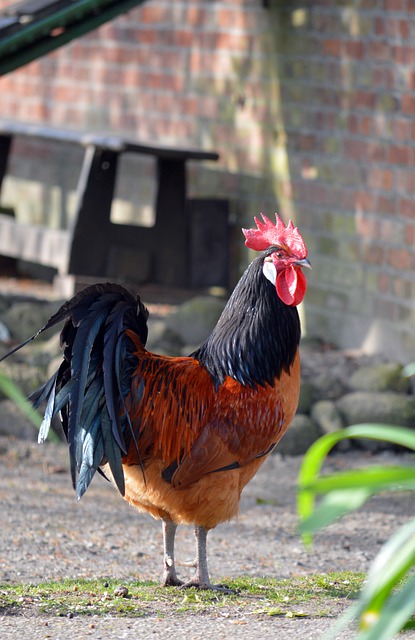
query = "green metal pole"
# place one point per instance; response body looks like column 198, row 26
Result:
column 36, row 40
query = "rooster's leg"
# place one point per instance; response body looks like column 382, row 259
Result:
column 201, row 578
column 170, row 578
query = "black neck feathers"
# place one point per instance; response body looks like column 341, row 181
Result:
column 257, row 335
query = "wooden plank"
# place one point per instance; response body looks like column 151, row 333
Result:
column 49, row 247
column 112, row 142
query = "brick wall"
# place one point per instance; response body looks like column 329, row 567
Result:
column 312, row 108
column 348, row 99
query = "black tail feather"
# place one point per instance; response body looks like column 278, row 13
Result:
column 90, row 386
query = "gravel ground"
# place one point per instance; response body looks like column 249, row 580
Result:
column 46, row 534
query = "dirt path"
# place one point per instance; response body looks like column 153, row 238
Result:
column 45, row 533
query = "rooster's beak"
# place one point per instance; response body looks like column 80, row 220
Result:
column 303, row 263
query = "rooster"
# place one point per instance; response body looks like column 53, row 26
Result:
column 181, row 436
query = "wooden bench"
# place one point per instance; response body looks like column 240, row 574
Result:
column 94, row 243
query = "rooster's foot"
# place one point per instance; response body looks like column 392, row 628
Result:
column 171, row 581
column 188, row 563
column 208, row 586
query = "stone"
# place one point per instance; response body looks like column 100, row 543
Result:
column 306, row 397
column 194, row 320
column 164, row 341
column 386, row 376
column 326, row 416
column 299, row 437
column 156, row 329
column 13, row 422
column 377, row 407
column 328, row 386
column 23, row 319
column 311, row 343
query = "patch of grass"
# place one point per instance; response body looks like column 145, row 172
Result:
column 315, row 595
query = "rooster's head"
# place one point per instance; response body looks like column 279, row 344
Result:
column 286, row 253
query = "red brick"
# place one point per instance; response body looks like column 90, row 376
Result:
column 390, row 79
column 131, row 76
column 233, row 18
column 409, row 233
column 232, row 41
column 182, row 37
column 406, row 208
column 361, row 150
column 399, row 155
column 380, row 178
column 384, row 282
column 396, row 28
column 146, row 36
column 366, row 125
column 353, row 123
column 408, row 104
column 364, row 99
column 378, row 49
column 410, row 80
column 196, row 16
column 306, row 142
column 385, row 205
column 380, row 26
column 332, row 48
column 394, row 5
column 367, row 227
column 399, row 258
column 401, row 129
column 354, row 49
column 368, row 4
column 386, row 229
column 151, row 12
column 404, row 180
column 403, row 54
column 403, row 29
column 364, row 201
column 154, row 80
column 373, row 254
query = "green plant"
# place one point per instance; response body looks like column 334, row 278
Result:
column 387, row 600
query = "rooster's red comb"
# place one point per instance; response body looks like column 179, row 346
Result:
column 267, row 234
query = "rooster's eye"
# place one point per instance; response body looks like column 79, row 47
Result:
column 280, row 253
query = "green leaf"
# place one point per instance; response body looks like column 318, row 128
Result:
column 393, row 616
column 409, row 370
column 393, row 562
column 377, row 478
column 15, row 394
column 318, row 451
column 333, row 506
